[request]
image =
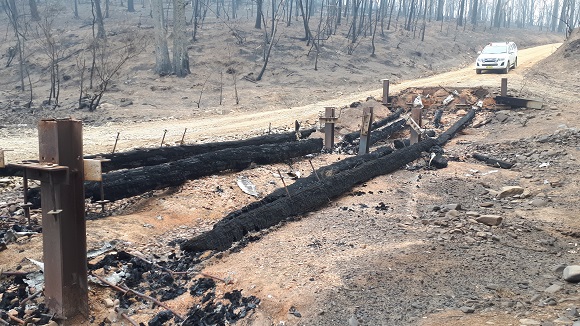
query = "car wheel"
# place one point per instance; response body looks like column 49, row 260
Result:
column 507, row 68
column 478, row 71
column 516, row 63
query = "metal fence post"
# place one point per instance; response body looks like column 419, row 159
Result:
column 64, row 225
column 329, row 120
column 504, row 82
column 365, row 131
column 385, row 91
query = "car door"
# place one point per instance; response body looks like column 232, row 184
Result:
column 512, row 53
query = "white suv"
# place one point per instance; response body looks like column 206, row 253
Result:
column 500, row 55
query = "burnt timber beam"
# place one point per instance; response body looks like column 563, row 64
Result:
column 159, row 155
column 351, row 137
column 258, row 217
column 518, row 102
column 127, row 183
column 153, row 156
column 492, row 161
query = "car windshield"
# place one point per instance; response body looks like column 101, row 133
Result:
column 494, row 49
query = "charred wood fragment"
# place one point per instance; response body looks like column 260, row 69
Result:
column 313, row 195
column 350, row 138
column 437, row 118
column 492, row 161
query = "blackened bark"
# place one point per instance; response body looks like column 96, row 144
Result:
column 306, row 198
column 154, row 156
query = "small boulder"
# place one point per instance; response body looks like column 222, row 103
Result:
column 491, row 220
column 572, row 273
column 510, row 191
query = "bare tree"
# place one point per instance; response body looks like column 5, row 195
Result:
column 33, row 10
column 130, row 6
column 53, row 49
column 259, row 4
column 180, row 57
column 162, row 61
column 12, row 13
column 110, row 59
column 275, row 20
column 98, row 18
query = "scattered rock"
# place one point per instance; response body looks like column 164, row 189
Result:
column 510, row 191
column 553, row 288
column 572, row 273
column 491, row 220
column 486, row 204
column 539, row 202
column 109, row 303
column 467, row 310
column 352, row 321
column 528, row 321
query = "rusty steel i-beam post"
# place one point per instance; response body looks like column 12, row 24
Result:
column 365, row 131
column 504, row 83
column 63, row 217
column 329, row 120
column 385, row 91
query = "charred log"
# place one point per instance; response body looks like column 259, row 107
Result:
column 492, row 161
column 314, row 195
column 127, row 183
column 350, row 138
column 386, row 132
column 133, row 182
column 155, row 156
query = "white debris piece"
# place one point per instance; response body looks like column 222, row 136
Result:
column 247, row 186
column 418, row 102
column 448, row 99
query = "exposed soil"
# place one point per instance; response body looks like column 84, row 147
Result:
column 401, row 249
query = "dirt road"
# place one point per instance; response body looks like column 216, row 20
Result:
column 101, row 139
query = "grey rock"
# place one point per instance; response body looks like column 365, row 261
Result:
column 486, row 204
column 491, row 220
column 453, row 206
column 562, row 321
column 539, row 202
column 528, row 321
column 452, row 213
column 553, row 288
column 559, row 269
column 352, row 321
column 510, row 191
column 576, row 323
column 571, row 273
column 467, row 310
column 573, row 312
column 536, row 297
column 472, row 214
column 501, row 117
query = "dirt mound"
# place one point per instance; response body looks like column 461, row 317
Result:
column 561, row 66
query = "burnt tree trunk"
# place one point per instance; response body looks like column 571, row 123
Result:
column 128, row 183
column 154, row 156
column 309, row 198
